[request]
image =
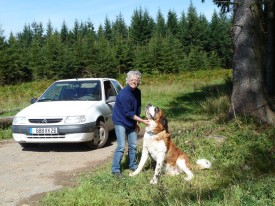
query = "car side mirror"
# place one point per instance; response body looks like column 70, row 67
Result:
column 33, row 100
column 111, row 99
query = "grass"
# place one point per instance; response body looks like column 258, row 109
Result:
column 5, row 133
column 242, row 174
column 16, row 97
column 241, row 151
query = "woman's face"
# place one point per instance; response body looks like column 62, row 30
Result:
column 133, row 82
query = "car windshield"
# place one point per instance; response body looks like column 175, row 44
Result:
column 73, row 91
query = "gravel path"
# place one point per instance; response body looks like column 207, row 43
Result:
column 25, row 174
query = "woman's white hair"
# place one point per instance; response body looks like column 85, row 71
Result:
column 135, row 74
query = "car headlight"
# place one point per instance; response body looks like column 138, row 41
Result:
column 75, row 119
column 19, row 120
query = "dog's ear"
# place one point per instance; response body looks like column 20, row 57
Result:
column 160, row 117
column 164, row 122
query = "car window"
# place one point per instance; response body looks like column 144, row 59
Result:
column 109, row 89
column 116, row 85
column 73, row 90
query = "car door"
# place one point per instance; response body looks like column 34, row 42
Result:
column 109, row 93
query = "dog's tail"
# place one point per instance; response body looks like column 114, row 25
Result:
column 204, row 164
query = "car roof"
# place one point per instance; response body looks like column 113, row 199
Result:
column 84, row 79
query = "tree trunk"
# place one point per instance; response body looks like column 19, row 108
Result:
column 270, row 54
column 248, row 96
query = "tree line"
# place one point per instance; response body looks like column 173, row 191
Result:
column 161, row 45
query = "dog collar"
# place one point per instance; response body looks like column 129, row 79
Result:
column 151, row 133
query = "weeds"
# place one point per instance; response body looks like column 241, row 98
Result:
column 5, row 133
column 241, row 151
column 16, row 97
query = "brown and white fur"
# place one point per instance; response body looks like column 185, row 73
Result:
column 158, row 144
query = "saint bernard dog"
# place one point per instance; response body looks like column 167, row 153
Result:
column 158, row 144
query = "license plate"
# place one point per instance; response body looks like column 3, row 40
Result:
column 52, row 130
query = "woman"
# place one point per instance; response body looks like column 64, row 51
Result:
column 126, row 115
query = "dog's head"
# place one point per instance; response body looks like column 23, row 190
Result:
column 156, row 115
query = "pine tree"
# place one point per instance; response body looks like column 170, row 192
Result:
column 150, row 46
column 100, row 32
column 37, row 60
column 160, row 28
column 88, row 50
column 49, row 30
column 104, row 62
column 155, row 54
column 120, row 28
column 13, row 70
column 2, row 38
column 203, row 34
column 196, row 59
column 192, row 29
column 164, row 54
column 172, row 54
column 172, row 23
column 52, row 52
column 142, row 60
column 108, row 29
column 25, row 38
column 75, row 31
column 182, row 33
column 38, row 31
column 2, row 55
column 142, row 26
column 220, row 38
column 64, row 33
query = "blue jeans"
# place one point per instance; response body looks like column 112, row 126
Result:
column 121, row 134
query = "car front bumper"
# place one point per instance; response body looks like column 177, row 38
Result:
column 66, row 133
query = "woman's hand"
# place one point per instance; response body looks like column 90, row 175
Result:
column 146, row 122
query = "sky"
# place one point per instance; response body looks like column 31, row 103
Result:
column 15, row 14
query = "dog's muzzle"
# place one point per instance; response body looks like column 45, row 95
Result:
column 147, row 111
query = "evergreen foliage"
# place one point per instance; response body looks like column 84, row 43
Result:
column 164, row 45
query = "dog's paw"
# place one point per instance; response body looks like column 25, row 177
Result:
column 189, row 178
column 133, row 173
column 204, row 163
column 154, row 181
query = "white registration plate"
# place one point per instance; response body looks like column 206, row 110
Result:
column 52, row 130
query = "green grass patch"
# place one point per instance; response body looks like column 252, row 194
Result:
column 242, row 173
column 196, row 105
column 16, row 97
column 5, row 133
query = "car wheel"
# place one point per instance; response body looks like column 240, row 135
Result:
column 101, row 135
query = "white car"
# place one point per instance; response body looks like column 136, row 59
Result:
column 69, row 111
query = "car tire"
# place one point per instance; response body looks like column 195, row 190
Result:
column 102, row 133
column 28, row 145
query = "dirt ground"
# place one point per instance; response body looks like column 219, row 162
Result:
column 26, row 174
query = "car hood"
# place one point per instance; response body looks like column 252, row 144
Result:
column 57, row 108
